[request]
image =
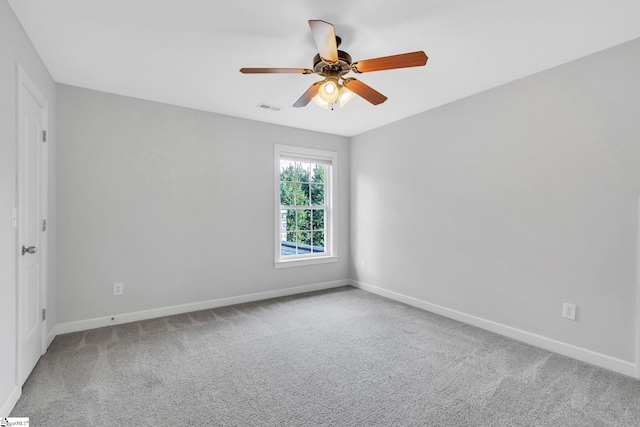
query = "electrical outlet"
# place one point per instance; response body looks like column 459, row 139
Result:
column 569, row 311
column 363, row 265
column 118, row 288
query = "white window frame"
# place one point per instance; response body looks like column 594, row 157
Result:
column 331, row 223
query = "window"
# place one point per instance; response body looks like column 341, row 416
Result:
column 305, row 223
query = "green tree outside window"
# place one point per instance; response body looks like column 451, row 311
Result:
column 302, row 195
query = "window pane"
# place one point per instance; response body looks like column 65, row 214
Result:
column 304, row 219
column 303, row 170
column 287, row 194
column 318, row 241
column 318, row 219
column 288, row 244
column 287, row 170
column 306, row 189
column 283, row 224
column 317, row 173
column 317, row 194
column 304, row 242
column 290, row 220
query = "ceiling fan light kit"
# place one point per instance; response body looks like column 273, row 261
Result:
column 329, row 89
column 331, row 93
column 333, row 64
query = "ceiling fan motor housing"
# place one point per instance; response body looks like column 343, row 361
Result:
column 343, row 65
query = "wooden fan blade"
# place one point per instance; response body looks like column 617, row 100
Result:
column 404, row 60
column 275, row 70
column 366, row 92
column 306, row 97
column 324, row 34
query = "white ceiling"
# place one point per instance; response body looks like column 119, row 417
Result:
column 188, row 52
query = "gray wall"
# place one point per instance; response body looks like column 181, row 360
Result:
column 502, row 205
column 175, row 203
column 508, row 203
column 15, row 48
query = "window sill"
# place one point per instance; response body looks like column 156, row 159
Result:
column 305, row 261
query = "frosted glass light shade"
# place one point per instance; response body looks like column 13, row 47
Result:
column 345, row 96
column 320, row 102
column 329, row 90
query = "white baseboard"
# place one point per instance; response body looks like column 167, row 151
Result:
column 11, row 401
column 98, row 322
column 598, row 359
column 52, row 335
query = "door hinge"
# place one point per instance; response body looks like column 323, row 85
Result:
column 44, row 314
column 44, row 136
column 44, row 225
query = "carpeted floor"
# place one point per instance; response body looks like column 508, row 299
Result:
column 341, row 357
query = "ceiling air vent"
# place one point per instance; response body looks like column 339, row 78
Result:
column 269, row 107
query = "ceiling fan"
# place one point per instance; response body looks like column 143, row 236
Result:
column 333, row 64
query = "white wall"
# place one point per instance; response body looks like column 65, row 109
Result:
column 15, row 48
column 508, row 203
column 175, row 203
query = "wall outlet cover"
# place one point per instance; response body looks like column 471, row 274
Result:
column 569, row 311
column 118, row 288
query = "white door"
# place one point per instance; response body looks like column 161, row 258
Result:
column 32, row 121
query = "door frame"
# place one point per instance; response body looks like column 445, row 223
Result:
column 637, row 334
column 23, row 82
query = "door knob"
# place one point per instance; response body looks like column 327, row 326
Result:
column 30, row 249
